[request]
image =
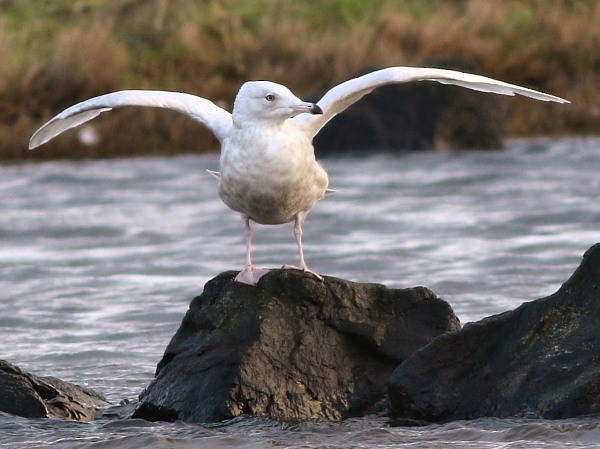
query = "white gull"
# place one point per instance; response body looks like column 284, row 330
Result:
column 268, row 171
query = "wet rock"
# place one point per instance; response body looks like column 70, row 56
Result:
column 539, row 360
column 291, row 347
column 26, row 395
column 415, row 116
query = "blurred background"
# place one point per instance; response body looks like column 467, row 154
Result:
column 55, row 53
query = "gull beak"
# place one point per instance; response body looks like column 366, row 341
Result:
column 310, row 108
column 315, row 109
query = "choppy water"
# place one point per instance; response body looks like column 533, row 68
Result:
column 99, row 260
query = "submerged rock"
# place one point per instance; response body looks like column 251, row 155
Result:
column 26, row 395
column 539, row 360
column 291, row 347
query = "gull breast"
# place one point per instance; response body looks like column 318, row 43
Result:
column 271, row 179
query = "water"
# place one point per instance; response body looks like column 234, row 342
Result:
column 99, row 260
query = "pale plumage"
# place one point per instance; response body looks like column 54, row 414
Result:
column 268, row 170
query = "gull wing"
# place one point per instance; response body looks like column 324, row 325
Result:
column 343, row 95
column 200, row 109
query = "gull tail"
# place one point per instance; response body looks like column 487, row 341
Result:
column 216, row 174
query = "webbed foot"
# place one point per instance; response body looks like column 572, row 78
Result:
column 251, row 275
column 305, row 270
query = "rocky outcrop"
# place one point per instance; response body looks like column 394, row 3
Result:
column 539, row 360
column 26, row 395
column 415, row 116
column 291, row 347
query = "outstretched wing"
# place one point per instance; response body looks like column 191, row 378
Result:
column 343, row 95
column 200, row 109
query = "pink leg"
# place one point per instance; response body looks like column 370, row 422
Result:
column 248, row 235
column 249, row 275
column 298, row 235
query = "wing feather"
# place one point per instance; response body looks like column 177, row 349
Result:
column 345, row 94
column 200, row 109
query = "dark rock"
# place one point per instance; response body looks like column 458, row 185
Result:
column 291, row 347
column 26, row 395
column 539, row 360
column 415, row 116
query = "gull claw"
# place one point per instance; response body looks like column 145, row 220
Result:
column 305, row 270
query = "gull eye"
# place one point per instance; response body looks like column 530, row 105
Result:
column 270, row 97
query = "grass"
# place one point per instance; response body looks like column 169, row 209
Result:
column 55, row 53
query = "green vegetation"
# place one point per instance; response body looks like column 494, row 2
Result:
column 54, row 53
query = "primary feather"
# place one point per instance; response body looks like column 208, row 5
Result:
column 345, row 94
column 200, row 109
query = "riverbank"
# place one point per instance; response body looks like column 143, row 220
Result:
column 60, row 52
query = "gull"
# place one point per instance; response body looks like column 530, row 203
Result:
column 267, row 168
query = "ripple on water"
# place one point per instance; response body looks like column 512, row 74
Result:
column 99, row 260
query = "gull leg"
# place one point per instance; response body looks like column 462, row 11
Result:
column 249, row 275
column 248, row 235
column 298, row 235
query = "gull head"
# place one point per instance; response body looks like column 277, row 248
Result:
column 268, row 101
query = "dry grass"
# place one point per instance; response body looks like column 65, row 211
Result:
column 60, row 52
